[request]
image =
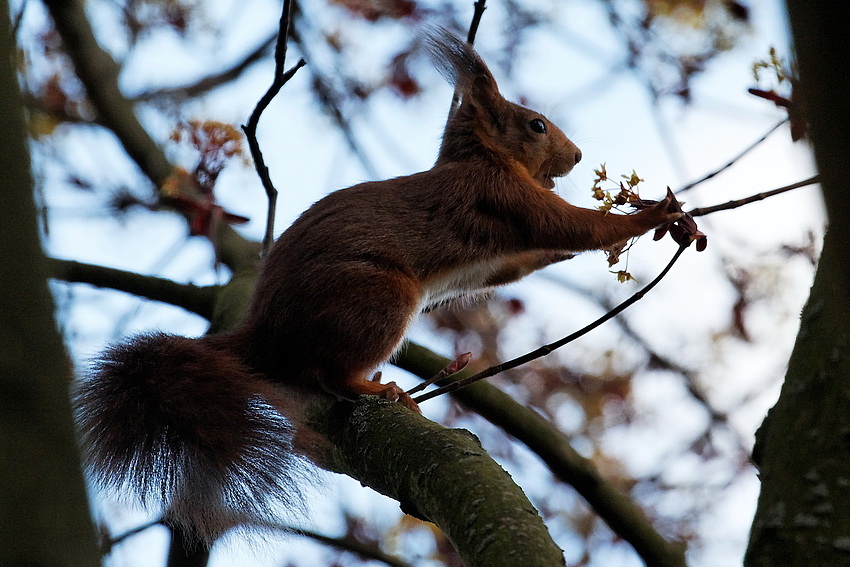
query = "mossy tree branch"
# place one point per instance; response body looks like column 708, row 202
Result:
column 441, row 475
column 615, row 508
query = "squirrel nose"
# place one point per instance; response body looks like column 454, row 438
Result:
column 577, row 155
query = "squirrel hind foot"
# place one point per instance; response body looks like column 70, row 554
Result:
column 394, row 393
column 359, row 385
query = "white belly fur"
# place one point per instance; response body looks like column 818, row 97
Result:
column 461, row 282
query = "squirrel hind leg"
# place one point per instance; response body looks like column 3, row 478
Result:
column 366, row 334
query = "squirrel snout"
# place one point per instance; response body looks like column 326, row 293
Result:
column 577, row 156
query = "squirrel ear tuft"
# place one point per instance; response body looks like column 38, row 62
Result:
column 458, row 62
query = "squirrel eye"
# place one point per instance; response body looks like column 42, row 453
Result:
column 537, row 126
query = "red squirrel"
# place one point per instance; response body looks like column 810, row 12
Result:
column 206, row 427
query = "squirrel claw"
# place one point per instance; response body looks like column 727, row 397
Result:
column 395, row 394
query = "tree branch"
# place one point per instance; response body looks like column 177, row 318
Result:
column 701, row 211
column 441, row 475
column 281, row 77
column 210, row 82
column 732, row 161
column 478, row 11
column 613, row 506
column 349, row 544
column 199, row 300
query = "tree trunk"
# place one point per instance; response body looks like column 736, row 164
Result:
column 803, row 447
column 44, row 517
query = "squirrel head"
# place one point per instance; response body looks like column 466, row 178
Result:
column 487, row 124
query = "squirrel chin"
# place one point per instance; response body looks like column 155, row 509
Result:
column 547, row 181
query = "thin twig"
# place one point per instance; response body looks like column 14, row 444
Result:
column 348, row 544
column 732, row 161
column 701, row 211
column 546, row 349
column 455, row 366
column 110, row 543
column 210, row 82
column 478, row 10
column 250, row 129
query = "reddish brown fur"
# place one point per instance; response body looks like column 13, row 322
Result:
column 334, row 299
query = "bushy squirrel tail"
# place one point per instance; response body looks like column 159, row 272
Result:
column 185, row 424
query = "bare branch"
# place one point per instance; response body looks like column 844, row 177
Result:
column 108, row 545
column 478, row 11
column 281, row 77
column 198, row 300
column 210, row 82
column 349, row 544
column 546, row 349
column 732, row 161
column 701, row 211
column 479, row 8
column 342, row 543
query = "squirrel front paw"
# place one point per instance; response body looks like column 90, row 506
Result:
column 661, row 213
column 679, row 224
